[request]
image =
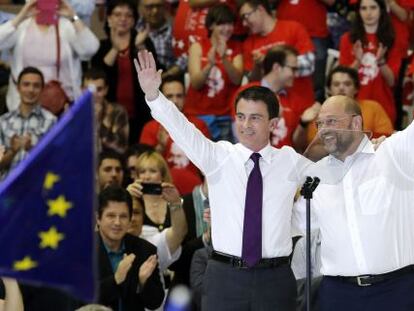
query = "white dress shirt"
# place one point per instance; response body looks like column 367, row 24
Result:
column 367, row 219
column 227, row 167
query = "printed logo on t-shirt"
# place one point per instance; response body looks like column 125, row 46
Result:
column 215, row 82
column 369, row 69
column 177, row 157
column 279, row 132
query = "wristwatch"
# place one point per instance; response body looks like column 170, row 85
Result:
column 74, row 18
column 175, row 206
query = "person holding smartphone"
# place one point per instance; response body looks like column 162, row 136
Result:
column 35, row 27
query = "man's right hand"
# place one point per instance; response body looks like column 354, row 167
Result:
column 148, row 76
column 123, row 268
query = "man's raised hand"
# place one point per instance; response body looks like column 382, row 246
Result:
column 148, row 76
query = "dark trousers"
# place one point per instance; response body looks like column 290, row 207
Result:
column 258, row 289
column 392, row 295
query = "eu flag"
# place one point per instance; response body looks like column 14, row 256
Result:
column 46, row 208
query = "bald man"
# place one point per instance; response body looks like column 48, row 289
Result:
column 365, row 214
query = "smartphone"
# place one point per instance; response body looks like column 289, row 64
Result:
column 151, row 188
column 47, row 12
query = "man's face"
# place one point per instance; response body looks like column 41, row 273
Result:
column 287, row 74
column 335, row 127
column 252, row 18
column 252, row 124
column 153, row 12
column 132, row 166
column 110, row 173
column 137, row 218
column 101, row 89
column 114, row 222
column 174, row 91
column 342, row 84
column 29, row 88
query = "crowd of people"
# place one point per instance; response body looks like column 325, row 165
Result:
column 208, row 116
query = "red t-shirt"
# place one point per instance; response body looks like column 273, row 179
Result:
column 189, row 25
column 213, row 97
column 125, row 86
column 174, row 156
column 310, row 13
column 288, row 33
column 373, row 85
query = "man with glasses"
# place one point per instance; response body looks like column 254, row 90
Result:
column 342, row 81
column 363, row 208
column 267, row 32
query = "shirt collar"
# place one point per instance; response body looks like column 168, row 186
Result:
column 111, row 252
column 265, row 152
column 37, row 111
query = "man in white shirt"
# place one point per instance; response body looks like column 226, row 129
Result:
column 366, row 216
column 233, row 283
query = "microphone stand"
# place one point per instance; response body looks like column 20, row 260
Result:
column 307, row 191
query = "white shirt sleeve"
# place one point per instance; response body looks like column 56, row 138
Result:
column 204, row 153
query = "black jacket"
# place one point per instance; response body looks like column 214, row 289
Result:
column 150, row 296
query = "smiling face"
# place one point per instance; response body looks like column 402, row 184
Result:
column 338, row 129
column 121, row 19
column 253, row 125
column 222, row 31
column 114, row 223
column 30, row 86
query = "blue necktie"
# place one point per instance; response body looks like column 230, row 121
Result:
column 252, row 227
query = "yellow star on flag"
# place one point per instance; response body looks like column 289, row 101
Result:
column 58, row 206
column 50, row 238
column 25, row 264
column 50, row 180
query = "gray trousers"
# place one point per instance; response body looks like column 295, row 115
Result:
column 258, row 289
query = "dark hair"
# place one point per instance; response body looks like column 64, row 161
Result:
column 351, row 72
column 117, row 3
column 385, row 31
column 255, row 3
column 95, row 73
column 110, row 154
column 277, row 55
column 173, row 78
column 114, row 194
column 219, row 14
column 263, row 94
column 31, row 70
column 137, row 150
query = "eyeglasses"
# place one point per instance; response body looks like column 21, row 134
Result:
column 332, row 121
column 245, row 16
column 293, row 68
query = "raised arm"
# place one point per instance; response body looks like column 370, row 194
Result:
column 148, row 76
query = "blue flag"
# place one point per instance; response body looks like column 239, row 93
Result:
column 46, row 208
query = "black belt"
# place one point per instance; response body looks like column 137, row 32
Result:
column 367, row 280
column 237, row 262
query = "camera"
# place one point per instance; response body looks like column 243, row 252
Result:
column 151, row 188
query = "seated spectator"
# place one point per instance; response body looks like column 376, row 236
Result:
column 110, row 169
column 342, row 81
column 22, row 128
column 373, row 48
column 27, row 39
column 128, row 271
column 156, row 136
column 155, row 24
column 152, row 168
column 168, row 243
column 215, row 65
column 115, row 57
column 266, row 32
column 111, row 118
